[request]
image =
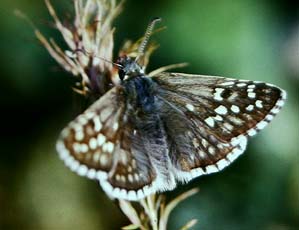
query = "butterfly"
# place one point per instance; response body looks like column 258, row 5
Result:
column 149, row 133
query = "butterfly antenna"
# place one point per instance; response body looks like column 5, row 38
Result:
column 89, row 54
column 146, row 36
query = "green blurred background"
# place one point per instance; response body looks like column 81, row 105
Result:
column 249, row 39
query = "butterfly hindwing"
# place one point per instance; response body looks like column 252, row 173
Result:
column 102, row 144
column 87, row 143
column 193, row 149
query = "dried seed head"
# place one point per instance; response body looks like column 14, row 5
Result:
column 89, row 40
column 91, row 31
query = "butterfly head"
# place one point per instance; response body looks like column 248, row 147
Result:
column 128, row 68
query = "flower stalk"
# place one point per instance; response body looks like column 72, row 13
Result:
column 155, row 212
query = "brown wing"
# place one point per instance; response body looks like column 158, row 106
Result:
column 101, row 144
column 208, row 119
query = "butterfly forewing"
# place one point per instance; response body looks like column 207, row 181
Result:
column 226, row 107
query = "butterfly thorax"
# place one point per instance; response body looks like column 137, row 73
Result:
column 139, row 89
column 140, row 93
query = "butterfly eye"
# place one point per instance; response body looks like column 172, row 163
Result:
column 121, row 74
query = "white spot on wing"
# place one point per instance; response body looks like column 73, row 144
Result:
column 117, row 177
column 259, row 104
column 93, row 143
column 217, row 94
column 97, row 124
column 140, row 194
column 269, row 117
column 211, row 169
column 221, row 164
column 241, row 84
column 77, row 147
column 197, row 172
column 65, row 132
column 233, row 96
column 82, row 120
column 251, row 95
column 235, row 109
column 136, row 177
column 228, row 83
column 84, row 148
column 236, row 120
column 130, row 178
column 205, row 143
column 103, row 159
column 132, row 195
column 251, row 132
column 218, row 118
column 211, row 150
column 96, row 157
column 228, row 126
column 63, row 152
column 115, row 126
column 210, row 121
column 249, row 108
column 123, row 178
column 82, row 170
column 201, row 154
column 89, row 115
column 275, row 110
column 101, row 175
column 195, row 142
column 74, row 166
column 261, row 125
column 91, row 174
column 190, row 107
column 110, row 147
column 101, row 139
column 79, row 135
column 221, row 110
column 251, row 86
